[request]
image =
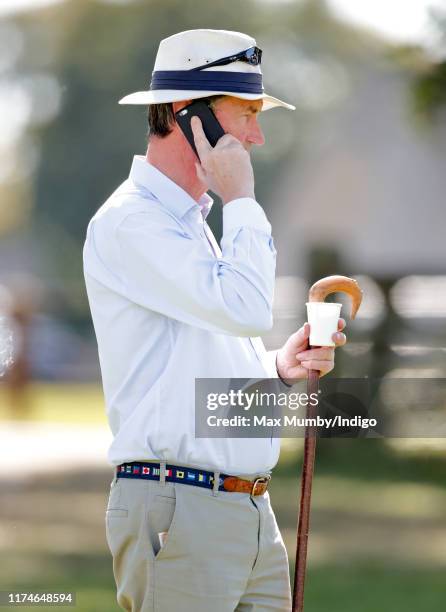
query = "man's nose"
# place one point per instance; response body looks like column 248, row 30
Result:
column 256, row 135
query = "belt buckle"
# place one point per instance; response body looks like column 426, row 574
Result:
column 263, row 480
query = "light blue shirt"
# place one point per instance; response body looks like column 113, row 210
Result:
column 169, row 306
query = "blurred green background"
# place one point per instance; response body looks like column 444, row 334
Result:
column 353, row 183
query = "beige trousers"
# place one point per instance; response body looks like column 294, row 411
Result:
column 223, row 551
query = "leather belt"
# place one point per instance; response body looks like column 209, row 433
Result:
column 253, row 487
column 192, row 476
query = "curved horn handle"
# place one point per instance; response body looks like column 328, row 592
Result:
column 337, row 284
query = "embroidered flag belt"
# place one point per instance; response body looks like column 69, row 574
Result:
column 192, row 476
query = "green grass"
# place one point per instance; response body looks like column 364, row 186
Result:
column 371, row 460
column 367, row 588
column 89, row 576
column 58, row 403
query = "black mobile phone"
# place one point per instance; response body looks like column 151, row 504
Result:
column 211, row 126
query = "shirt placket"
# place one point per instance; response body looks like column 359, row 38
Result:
column 202, row 229
column 210, row 238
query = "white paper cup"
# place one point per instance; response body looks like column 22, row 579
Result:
column 323, row 319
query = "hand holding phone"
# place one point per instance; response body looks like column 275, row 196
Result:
column 226, row 166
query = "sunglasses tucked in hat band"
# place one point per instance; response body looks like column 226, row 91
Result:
column 185, row 69
column 252, row 56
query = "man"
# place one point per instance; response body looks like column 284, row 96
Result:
column 189, row 521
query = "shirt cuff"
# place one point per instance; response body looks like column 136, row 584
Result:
column 278, row 375
column 244, row 212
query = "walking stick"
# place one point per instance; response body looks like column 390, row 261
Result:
column 318, row 293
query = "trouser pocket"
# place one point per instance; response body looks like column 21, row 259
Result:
column 161, row 520
column 137, row 512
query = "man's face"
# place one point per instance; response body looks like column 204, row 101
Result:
column 240, row 119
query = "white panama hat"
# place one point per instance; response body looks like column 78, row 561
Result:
column 181, row 71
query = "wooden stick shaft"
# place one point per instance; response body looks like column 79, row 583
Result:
column 305, row 498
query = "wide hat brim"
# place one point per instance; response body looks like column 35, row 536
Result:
column 171, row 95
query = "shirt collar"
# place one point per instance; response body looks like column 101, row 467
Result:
column 165, row 190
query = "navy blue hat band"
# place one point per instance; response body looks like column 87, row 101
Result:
column 237, row 82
